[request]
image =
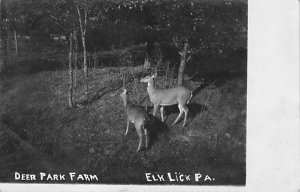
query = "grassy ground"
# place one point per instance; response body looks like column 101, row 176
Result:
column 90, row 139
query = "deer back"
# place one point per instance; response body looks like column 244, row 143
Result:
column 177, row 95
column 136, row 113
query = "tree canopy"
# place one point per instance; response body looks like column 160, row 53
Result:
column 205, row 24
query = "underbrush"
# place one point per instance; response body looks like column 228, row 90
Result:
column 90, row 138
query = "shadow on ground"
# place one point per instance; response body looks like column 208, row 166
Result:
column 157, row 129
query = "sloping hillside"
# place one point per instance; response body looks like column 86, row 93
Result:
column 42, row 133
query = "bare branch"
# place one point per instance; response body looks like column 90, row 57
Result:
column 187, row 60
column 56, row 20
column 79, row 19
column 85, row 16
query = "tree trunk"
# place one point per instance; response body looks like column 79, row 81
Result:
column 75, row 63
column 7, row 45
column 182, row 64
column 16, row 43
column 3, row 37
column 146, row 62
column 70, row 70
column 85, row 70
column 149, row 53
column 83, row 30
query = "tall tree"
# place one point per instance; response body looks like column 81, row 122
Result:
column 16, row 21
column 183, row 54
column 83, row 25
column 3, row 35
column 70, row 70
column 64, row 15
column 194, row 26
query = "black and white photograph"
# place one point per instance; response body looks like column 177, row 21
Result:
column 124, row 92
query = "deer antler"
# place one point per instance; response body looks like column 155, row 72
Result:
column 154, row 75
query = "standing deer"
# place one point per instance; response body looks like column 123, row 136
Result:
column 136, row 115
column 165, row 97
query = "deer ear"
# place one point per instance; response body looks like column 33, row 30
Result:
column 124, row 91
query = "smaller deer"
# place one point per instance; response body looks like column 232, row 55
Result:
column 165, row 97
column 137, row 116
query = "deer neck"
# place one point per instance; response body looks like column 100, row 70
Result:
column 125, row 100
column 150, row 87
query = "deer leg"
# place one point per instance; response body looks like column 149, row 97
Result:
column 146, row 134
column 186, row 110
column 180, row 113
column 140, row 133
column 155, row 110
column 127, row 127
column 162, row 113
